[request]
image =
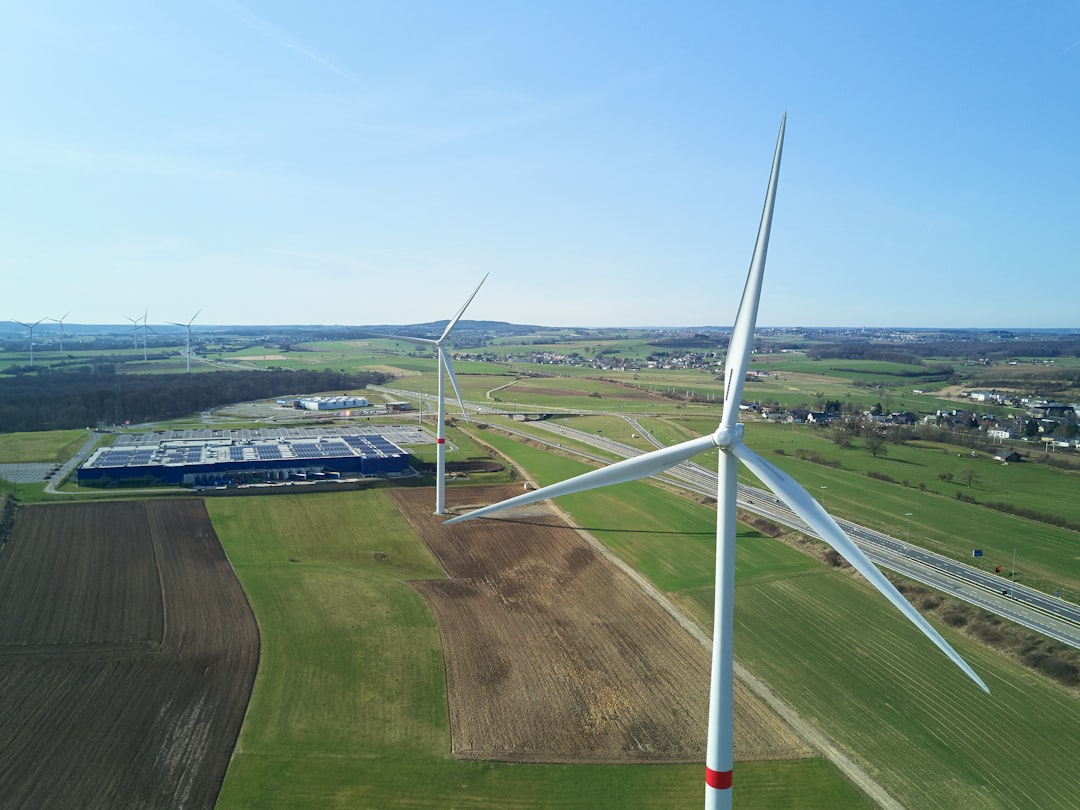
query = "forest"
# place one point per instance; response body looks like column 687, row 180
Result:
column 60, row 401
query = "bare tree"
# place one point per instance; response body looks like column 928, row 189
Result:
column 874, row 442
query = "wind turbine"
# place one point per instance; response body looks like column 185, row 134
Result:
column 728, row 440
column 31, row 326
column 61, row 322
column 145, row 327
column 134, row 330
column 187, row 349
column 443, row 362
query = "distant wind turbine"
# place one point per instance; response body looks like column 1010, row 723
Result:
column 442, row 362
column 31, row 326
column 135, row 331
column 61, row 322
column 187, row 345
column 728, row 439
column 145, row 327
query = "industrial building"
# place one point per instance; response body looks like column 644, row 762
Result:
column 324, row 403
column 229, row 459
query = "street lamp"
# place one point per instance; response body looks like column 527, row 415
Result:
column 908, row 516
column 823, row 497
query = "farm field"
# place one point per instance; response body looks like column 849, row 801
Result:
column 554, row 655
column 830, row 646
column 350, row 702
column 128, row 651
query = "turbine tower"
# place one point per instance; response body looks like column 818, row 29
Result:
column 31, row 326
column 443, row 362
column 61, row 322
column 728, row 440
column 187, row 345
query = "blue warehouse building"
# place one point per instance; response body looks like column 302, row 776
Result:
column 149, row 458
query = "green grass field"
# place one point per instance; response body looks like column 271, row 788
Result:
column 45, row 445
column 349, row 706
column 1046, row 555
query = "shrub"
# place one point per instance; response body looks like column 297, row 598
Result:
column 955, row 616
column 929, row 602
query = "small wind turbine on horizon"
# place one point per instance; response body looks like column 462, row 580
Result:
column 134, row 331
column 61, row 322
column 443, row 362
column 145, row 328
column 31, row 326
column 727, row 439
column 187, row 345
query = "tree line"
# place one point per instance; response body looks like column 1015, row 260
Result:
column 63, row 401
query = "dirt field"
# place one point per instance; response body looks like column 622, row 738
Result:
column 128, row 651
column 554, row 655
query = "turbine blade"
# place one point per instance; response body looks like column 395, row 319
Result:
column 461, row 311
column 742, row 334
column 420, row 341
column 444, row 358
column 802, row 503
column 193, row 317
column 629, row 469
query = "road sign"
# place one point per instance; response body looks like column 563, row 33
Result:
column 977, row 552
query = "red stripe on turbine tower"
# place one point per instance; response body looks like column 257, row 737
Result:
column 440, row 441
column 720, row 780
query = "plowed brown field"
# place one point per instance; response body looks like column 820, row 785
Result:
column 553, row 654
column 128, row 652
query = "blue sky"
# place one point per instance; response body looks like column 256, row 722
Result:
column 367, row 162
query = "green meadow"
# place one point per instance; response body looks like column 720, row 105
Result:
column 45, row 445
column 1047, row 557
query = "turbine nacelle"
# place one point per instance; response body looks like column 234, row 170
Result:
column 727, row 436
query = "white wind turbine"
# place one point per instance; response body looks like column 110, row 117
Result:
column 31, row 326
column 134, row 331
column 443, row 362
column 61, row 322
column 187, row 345
column 145, row 327
column 728, row 439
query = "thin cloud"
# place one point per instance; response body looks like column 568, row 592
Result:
column 276, row 35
